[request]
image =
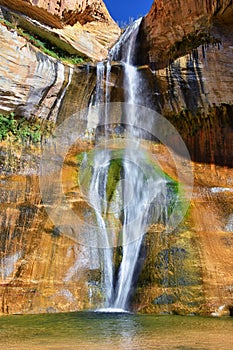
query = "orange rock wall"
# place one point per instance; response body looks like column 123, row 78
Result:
column 170, row 21
column 58, row 13
column 84, row 28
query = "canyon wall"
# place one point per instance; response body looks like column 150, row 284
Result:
column 36, row 85
column 84, row 28
column 195, row 93
column 188, row 272
column 41, row 270
column 197, row 98
column 171, row 26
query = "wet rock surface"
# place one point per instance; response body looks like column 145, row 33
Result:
column 189, row 271
column 45, row 270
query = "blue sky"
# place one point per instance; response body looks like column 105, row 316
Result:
column 122, row 10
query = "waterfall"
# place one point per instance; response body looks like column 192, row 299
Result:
column 139, row 197
column 97, row 198
column 99, row 82
column 136, row 217
column 124, row 49
column 134, row 83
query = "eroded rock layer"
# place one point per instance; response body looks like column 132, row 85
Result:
column 189, row 271
column 169, row 24
column 44, row 268
column 80, row 27
column 36, row 85
column 41, row 271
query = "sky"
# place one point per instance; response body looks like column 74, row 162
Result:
column 123, row 10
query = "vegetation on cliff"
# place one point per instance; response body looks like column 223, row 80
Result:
column 44, row 45
column 23, row 130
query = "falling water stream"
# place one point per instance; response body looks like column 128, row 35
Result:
column 140, row 194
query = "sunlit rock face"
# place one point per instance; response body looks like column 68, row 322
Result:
column 44, row 269
column 83, row 28
column 188, row 271
column 41, row 269
column 170, row 22
column 64, row 11
column 36, row 85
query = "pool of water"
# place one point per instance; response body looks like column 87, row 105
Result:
column 103, row 331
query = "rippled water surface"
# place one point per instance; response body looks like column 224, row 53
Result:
column 97, row 331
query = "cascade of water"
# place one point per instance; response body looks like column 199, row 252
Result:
column 98, row 200
column 102, row 95
column 99, row 82
column 137, row 193
column 137, row 211
column 133, row 82
column 136, row 217
column 123, row 50
column 96, row 98
column 107, row 95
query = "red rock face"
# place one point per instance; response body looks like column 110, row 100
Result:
column 78, row 27
column 56, row 13
column 170, row 21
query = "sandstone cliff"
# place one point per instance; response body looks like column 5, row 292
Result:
column 79, row 27
column 169, row 24
column 40, row 271
column 45, row 271
column 36, row 85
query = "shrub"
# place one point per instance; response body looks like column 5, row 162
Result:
column 23, row 130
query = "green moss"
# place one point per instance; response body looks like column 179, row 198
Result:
column 175, row 191
column 114, row 176
column 85, row 163
column 80, row 158
column 44, row 45
column 86, row 169
column 23, row 130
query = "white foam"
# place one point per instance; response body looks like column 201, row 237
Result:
column 111, row 310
